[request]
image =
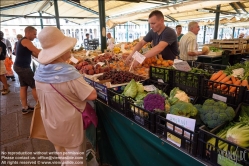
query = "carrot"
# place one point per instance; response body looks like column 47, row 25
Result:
column 224, row 86
column 216, row 75
column 224, row 80
column 223, row 75
column 244, row 83
column 233, row 88
column 233, row 79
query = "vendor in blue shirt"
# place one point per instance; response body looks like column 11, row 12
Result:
column 164, row 39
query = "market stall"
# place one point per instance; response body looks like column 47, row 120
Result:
column 123, row 142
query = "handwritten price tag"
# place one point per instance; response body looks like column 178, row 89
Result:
column 182, row 66
column 149, row 88
column 138, row 57
column 87, row 53
column 74, row 60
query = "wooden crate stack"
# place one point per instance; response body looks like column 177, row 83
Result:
column 236, row 46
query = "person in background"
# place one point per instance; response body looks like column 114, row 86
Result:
column 86, row 41
column 24, row 50
column 3, row 79
column 164, row 39
column 7, row 43
column 8, row 64
column 188, row 44
column 179, row 32
column 62, row 122
column 110, row 39
column 19, row 37
column 241, row 35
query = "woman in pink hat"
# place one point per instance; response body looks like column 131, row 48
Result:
column 56, row 80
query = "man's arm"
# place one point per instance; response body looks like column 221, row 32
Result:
column 157, row 49
column 27, row 43
column 138, row 47
column 192, row 49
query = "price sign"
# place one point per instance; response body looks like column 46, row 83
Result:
column 149, row 88
column 182, row 66
column 218, row 97
column 183, row 121
column 74, row 60
column 123, row 48
column 87, row 53
column 138, row 57
column 100, row 63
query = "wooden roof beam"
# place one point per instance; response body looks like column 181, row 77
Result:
column 234, row 7
column 242, row 6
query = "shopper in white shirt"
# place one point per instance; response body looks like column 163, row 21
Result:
column 110, row 39
column 188, row 44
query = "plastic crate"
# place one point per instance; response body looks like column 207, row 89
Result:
column 209, row 67
column 188, row 82
column 246, row 96
column 187, row 142
column 119, row 102
column 210, row 90
column 212, row 153
column 157, row 73
column 145, row 118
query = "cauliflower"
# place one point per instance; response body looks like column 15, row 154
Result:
column 214, row 113
column 154, row 101
column 182, row 108
column 178, row 95
column 238, row 72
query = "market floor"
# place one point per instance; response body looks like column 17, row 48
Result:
column 15, row 128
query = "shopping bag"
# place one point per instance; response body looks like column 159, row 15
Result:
column 37, row 129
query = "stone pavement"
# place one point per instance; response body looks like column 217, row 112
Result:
column 15, row 131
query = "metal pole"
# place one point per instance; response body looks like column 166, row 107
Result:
column 216, row 25
column 102, row 24
column 56, row 14
column 114, row 36
column 233, row 32
column 221, row 36
column 148, row 26
column 204, row 34
column 127, row 32
column 41, row 21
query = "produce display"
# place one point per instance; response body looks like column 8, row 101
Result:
column 144, row 105
column 214, row 113
column 236, row 132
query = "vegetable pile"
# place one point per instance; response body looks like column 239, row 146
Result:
column 214, row 113
column 236, row 132
column 229, row 79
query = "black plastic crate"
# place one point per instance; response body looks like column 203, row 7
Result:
column 246, row 96
column 189, row 82
column 145, row 118
column 119, row 102
column 157, row 73
column 187, row 142
column 212, row 89
column 209, row 67
column 213, row 154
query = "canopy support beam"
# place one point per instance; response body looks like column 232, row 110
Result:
column 217, row 18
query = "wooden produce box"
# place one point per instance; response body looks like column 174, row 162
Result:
column 236, row 46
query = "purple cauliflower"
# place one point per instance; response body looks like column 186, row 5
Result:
column 154, row 101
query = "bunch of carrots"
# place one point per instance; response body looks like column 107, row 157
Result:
column 222, row 77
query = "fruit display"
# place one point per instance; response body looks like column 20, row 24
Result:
column 119, row 77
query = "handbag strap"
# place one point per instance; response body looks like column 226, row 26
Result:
column 66, row 99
